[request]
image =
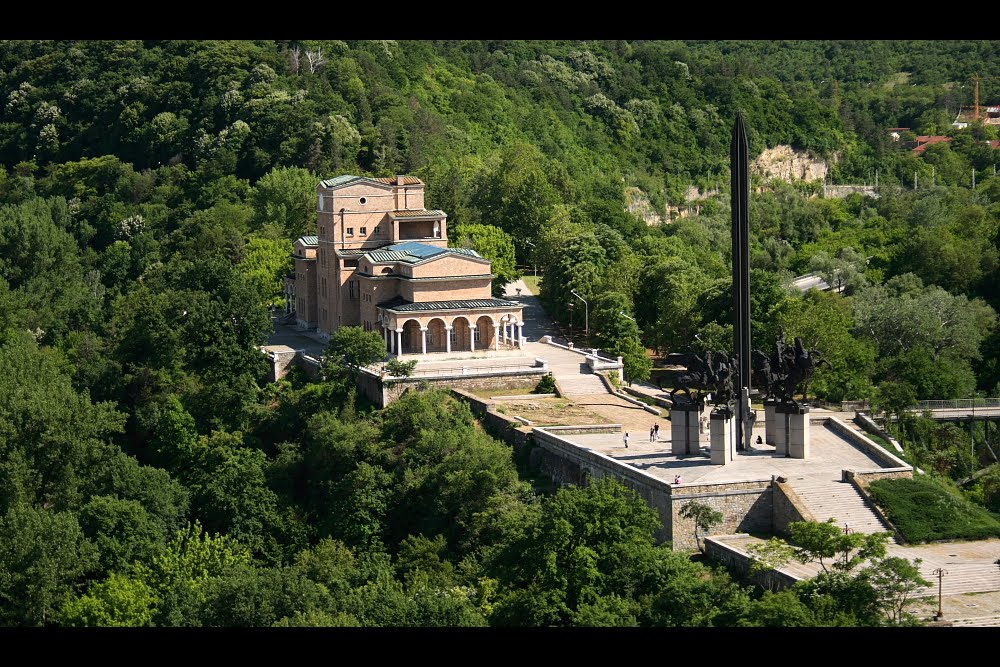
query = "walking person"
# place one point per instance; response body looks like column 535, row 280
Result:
column 652, row 432
column 656, row 432
column 625, row 438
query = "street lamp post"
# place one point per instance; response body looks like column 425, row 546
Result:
column 586, row 314
column 940, row 572
column 534, row 262
column 570, row 306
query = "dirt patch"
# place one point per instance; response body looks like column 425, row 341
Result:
column 550, row 412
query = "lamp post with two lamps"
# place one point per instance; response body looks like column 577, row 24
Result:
column 939, row 573
column 534, row 261
column 586, row 314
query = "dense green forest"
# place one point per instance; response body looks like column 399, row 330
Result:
column 149, row 196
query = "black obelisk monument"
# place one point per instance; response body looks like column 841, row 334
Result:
column 740, row 165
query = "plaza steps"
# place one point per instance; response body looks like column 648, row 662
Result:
column 961, row 578
column 835, row 499
column 980, row 622
column 579, row 384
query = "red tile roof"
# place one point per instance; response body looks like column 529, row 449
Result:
column 417, row 213
column 995, row 144
column 406, row 180
column 924, row 141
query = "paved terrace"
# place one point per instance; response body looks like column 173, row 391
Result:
column 829, row 455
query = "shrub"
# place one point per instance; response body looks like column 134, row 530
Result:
column 924, row 511
column 547, row 385
column 615, row 379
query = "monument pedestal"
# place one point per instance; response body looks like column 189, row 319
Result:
column 792, row 431
column 723, row 436
column 771, row 425
column 685, row 429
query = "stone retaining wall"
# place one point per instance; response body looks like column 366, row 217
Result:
column 499, row 426
column 736, row 561
column 611, row 389
column 746, row 507
column 788, row 507
column 382, row 392
column 865, row 443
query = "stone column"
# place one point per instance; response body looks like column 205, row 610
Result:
column 447, row 338
column 399, row 342
column 496, row 335
column 771, row 423
column 520, row 336
column 798, row 433
column 685, row 437
column 423, row 340
column 723, row 435
column 472, row 337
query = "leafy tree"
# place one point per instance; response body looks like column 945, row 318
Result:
column 398, row 368
column 816, row 542
column 119, row 601
column 43, row 557
column 769, row 555
column 896, row 580
column 571, row 555
column 349, row 350
column 51, row 437
column 266, row 263
column 286, row 197
column 702, row 517
column 495, row 245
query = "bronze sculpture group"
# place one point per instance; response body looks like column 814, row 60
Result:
column 779, row 375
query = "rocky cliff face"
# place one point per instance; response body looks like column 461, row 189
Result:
column 637, row 203
column 783, row 163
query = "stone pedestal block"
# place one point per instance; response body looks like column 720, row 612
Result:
column 798, row 435
column 723, row 436
column 685, row 432
column 771, row 422
column 791, row 431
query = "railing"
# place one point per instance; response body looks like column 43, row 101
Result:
column 472, row 370
column 957, row 404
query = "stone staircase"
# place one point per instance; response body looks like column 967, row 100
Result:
column 579, row 384
column 835, row 499
column 979, row 622
column 961, row 578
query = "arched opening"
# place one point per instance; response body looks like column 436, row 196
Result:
column 485, row 333
column 436, row 336
column 509, row 332
column 387, row 270
column 460, row 335
column 412, row 340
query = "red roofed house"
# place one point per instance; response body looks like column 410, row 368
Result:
column 382, row 262
column 924, row 141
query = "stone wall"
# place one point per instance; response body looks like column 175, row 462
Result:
column 383, row 393
column 499, row 426
column 787, row 508
column 867, row 444
column 737, row 561
column 746, row 507
column 279, row 357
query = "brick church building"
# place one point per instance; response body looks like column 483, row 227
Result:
column 381, row 261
